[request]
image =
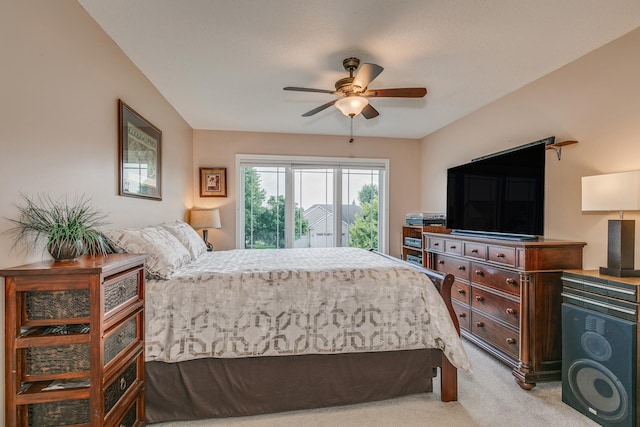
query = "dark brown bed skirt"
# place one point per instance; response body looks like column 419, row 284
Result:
column 214, row 388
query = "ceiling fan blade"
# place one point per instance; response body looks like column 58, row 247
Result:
column 406, row 92
column 320, row 108
column 306, row 89
column 369, row 112
column 366, row 74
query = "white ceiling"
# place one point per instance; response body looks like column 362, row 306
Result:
column 222, row 64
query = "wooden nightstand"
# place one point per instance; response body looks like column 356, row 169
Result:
column 79, row 321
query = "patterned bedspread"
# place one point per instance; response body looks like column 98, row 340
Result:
column 270, row 302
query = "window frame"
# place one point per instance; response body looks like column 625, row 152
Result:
column 340, row 163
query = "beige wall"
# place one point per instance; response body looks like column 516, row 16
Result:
column 218, row 149
column 594, row 100
column 61, row 78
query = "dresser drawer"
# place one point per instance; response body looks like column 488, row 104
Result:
column 134, row 415
column 502, row 255
column 453, row 247
column 475, row 250
column 500, row 307
column 50, row 362
column 122, row 336
column 496, row 334
column 436, row 244
column 59, row 413
column 122, row 383
column 120, row 289
column 463, row 314
column 456, row 266
column 460, row 291
column 496, row 278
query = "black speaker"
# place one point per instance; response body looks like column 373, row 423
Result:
column 599, row 365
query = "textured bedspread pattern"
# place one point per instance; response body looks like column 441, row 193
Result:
column 245, row 303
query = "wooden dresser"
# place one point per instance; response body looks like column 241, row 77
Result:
column 507, row 296
column 74, row 342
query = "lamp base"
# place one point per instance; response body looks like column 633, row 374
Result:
column 619, row 272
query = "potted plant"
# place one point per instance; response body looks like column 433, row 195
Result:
column 70, row 229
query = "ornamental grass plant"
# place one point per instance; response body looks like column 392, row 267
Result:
column 68, row 229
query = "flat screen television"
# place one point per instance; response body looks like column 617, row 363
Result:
column 500, row 195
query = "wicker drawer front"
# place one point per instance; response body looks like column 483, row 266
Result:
column 47, row 362
column 494, row 333
column 114, row 392
column 63, row 413
column 131, row 417
column 119, row 290
column 502, row 308
column 120, row 339
column 496, row 278
column 45, row 305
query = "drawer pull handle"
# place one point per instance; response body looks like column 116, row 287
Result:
column 436, row 244
column 461, row 267
column 479, row 273
column 510, row 311
column 474, row 251
column 480, row 324
column 479, row 298
column 511, row 281
column 461, row 291
column 463, row 314
column 123, row 384
column 510, row 341
column 452, row 247
column 441, row 262
column 500, row 255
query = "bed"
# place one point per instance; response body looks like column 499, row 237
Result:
column 246, row 332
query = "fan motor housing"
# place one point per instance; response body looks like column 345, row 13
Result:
column 343, row 85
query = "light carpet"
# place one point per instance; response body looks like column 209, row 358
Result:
column 487, row 397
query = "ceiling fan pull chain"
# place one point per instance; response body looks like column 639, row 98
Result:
column 351, row 134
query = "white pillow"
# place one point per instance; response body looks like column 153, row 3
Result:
column 166, row 253
column 187, row 236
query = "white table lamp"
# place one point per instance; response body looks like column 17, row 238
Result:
column 205, row 219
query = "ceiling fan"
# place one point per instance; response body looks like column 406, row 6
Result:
column 353, row 91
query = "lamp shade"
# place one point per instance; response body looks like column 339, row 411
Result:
column 351, row 105
column 611, row 192
column 205, row 218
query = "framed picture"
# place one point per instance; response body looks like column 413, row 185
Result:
column 213, row 182
column 139, row 146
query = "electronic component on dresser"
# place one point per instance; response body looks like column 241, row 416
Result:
column 424, row 218
column 414, row 242
column 415, row 259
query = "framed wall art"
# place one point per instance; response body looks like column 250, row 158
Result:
column 139, row 147
column 213, row 182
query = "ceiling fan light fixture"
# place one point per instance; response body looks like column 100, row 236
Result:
column 351, row 105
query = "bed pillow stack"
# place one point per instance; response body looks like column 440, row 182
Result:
column 166, row 252
column 187, row 236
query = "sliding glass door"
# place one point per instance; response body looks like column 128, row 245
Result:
column 309, row 202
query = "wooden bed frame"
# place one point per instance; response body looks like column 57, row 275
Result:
column 216, row 387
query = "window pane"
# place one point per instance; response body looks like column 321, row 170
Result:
column 314, row 208
column 360, row 198
column 264, row 203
